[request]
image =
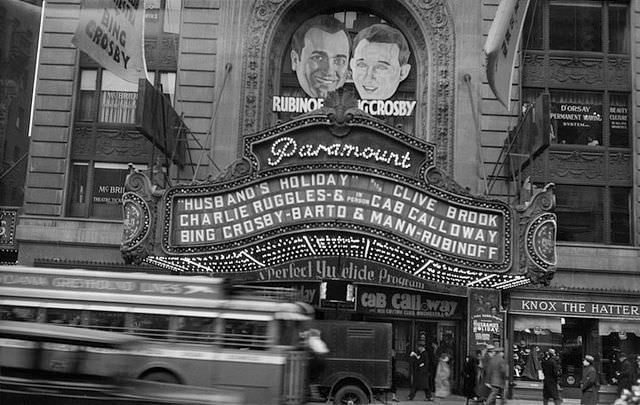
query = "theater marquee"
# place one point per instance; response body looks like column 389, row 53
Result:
column 342, row 185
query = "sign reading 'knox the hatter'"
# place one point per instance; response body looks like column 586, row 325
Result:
column 334, row 183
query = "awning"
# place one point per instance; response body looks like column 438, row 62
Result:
column 533, row 323
column 606, row 327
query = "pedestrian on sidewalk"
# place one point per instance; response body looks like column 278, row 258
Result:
column 551, row 371
column 443, row 373
column 471, row 376
column 421, row 372
column 589, row 383
column 496, row 375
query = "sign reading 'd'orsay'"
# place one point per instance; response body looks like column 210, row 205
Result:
column 335, row 183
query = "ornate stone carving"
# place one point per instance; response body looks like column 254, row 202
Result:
column 537, row 237
column 620, row 167
column 139, row 204
column 428, row 27
column 123, row 142
column 576, row 165
column 576, row 70
column 83, row 140
column 534, row 71
column 437, row 178
column 618, row 74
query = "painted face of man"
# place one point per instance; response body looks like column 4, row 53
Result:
column 376, row 70
column 322, row 64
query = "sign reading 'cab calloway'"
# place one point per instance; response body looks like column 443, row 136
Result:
column 334, row 183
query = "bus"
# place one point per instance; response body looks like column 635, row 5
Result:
column 44, row 364
column 200, row 331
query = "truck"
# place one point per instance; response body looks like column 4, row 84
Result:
column 357, row 368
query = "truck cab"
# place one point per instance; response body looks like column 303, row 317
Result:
column 358, row 365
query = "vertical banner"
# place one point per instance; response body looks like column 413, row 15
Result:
column 112, row 33
column 486, row 322
column 502, row 45
column 8, row 224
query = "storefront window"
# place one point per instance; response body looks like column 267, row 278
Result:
column 619, row 339
column 575, row 25
column 533, row 336
column 571, row 338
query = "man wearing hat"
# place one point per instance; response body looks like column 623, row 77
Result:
column 496, row 375
column 551, row 371
column 589, row 383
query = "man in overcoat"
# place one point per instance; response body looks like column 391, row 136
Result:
column 421, row 372
column 551, row 370
column 589, row 383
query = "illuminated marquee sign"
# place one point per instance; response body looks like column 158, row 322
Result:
column 335, row 195
column 337, row 200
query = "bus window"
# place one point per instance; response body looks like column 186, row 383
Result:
column 194, row 329
column 245, row 335
column 288, row 333
column 23, row 314
column 63, row 316
column 151, row 326
column 105, row 320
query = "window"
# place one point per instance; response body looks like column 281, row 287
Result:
column 575, row 25
column 619, row 120
column 97, row 188
column 151, row 326
column 618, row 28
column 578, row 25
column 105, row 320
column 577, row 117
column 245, row 334
column 532, row 31
column 594, row 214
column 620, row 213
column 64, row 316
column 117, row 99
column 105, row 98
column 86, row 98
column 194, row 329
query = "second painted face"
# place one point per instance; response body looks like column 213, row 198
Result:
column 376, row 70
column 322, row 64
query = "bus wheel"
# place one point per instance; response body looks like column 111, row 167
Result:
column 161, row 376
column 350, row 395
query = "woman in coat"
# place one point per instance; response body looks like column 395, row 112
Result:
column 471, row 375
column 443, row 373
column 589, row 383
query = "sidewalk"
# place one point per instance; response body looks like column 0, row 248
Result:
column 403, row 393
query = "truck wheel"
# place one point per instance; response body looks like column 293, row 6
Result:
column 161, row 376
column 350, row 395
